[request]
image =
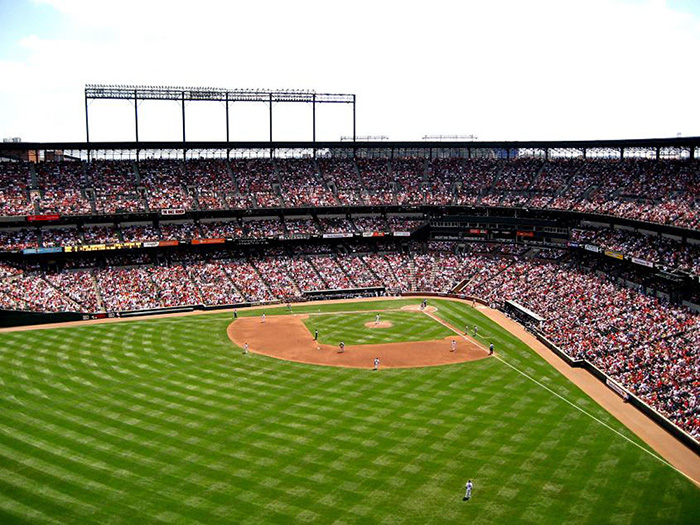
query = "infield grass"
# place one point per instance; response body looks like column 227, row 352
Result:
column 350, row 328
column 165, row 421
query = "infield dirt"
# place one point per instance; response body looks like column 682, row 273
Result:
column 286, row 337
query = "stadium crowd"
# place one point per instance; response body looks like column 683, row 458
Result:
column 664, row 191
column 659, row 250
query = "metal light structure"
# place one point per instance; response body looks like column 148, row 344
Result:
column 227, row 96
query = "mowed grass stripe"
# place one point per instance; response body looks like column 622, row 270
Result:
column 217, row 436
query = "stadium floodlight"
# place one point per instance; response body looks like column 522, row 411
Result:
column 185, row 94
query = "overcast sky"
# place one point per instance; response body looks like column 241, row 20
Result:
column 498, row 69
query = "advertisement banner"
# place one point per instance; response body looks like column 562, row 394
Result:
column 50, row 249
column 613, row 254
column 591, row 248
column 46, row 217
column 252, row 241
column 337, row 235
column 573, row 244
column 124, row 245
column 402, row 234
column 150, row 244
column 373, row 234
column 642, row 262
column 101, row 247
column 477, row 231
column 616, row 388
column 172, row 211
column 85, row 248
column 524, row 234
column 219, row 240
column 446, row 238
column 168, row 243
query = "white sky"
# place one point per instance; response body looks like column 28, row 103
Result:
column 500, row 69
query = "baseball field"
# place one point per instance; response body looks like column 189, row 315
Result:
column 166, row 420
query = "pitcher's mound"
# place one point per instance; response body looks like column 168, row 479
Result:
column 380, row 324
column 416, row 308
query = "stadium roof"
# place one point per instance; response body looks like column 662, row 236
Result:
column 678, row 142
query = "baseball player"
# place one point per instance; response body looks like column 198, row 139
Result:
column 245, row 348
column 476, row 330
column 376, row 319
column 491, row 349
column 376, row 363
column 342, row 347
column 454, row 345
column 263, row 318
column 468, row 494
column 315, row 335
column 235, row 313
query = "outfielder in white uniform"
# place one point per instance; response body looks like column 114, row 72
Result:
column 376, row 319
column 468, row 494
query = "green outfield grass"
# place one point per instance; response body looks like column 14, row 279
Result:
column 350, row 328
column 165, row 421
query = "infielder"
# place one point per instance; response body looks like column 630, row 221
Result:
column 263, row 318
column 245, row 348
column 491, row 349
column 315, row 335
column 342, row 347
column 454, row 345
column 468, row 494
column 476, row 330
column 376, row 319
column 376, row 363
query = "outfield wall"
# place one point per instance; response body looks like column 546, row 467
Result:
column 10, row 318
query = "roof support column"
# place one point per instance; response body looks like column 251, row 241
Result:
column 270, row 102
column 184, row 138
column 136, row 115
column 87, row 127
column 227, row 129
column 354, row 119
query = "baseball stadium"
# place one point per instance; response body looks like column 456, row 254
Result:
column 348, row 332
column 441, row 266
